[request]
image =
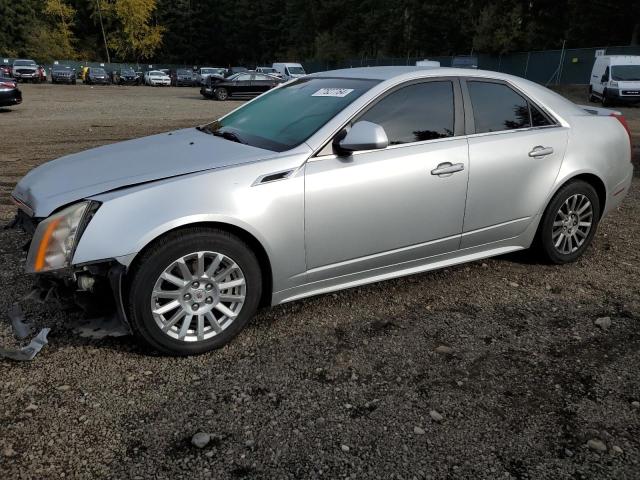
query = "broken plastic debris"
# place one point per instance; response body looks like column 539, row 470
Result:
column 98, row 328
column 20, row 329
column 30, row 351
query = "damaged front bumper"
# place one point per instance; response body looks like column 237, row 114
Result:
column 97, row 286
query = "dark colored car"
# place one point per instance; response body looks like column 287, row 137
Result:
column 9, row 92
column 96, row 75
column 6, row 71
column 183, row 77
column 247, row 84
column 63, row 74
column 125, row 76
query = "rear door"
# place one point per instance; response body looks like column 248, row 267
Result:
column 515, row 153
column 261, row 83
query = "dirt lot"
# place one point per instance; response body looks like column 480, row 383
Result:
column 338, row 386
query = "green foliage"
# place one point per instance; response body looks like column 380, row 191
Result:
column 229, row 32
column 135, row 37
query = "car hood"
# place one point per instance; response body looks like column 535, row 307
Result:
column 81, row 175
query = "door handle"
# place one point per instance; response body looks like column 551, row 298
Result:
column 540, row 151
column 447, row 168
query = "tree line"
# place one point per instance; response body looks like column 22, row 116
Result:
column 225, row 32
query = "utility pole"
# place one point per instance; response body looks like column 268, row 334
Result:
column 104, row 37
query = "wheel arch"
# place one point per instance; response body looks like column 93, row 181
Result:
column 592, row 179
column 253, row 242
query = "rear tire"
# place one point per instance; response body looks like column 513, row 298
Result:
column 183, row 249
column 563, row 235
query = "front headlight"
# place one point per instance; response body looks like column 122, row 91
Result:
column 55, row 239
column 613, row 84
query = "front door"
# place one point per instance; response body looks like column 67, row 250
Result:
column 377, row 208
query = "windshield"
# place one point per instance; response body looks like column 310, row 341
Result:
column 98, row 71
column 24, row 63
column 625, row 72
column 61, row 68
column 296, row 70
column 287, row 116
column 183, row 72
column 266, row 70
column 156, row 74
column 127, row 71
column 209, row 71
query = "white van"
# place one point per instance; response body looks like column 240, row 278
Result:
column 615, row 78
column 289, row 70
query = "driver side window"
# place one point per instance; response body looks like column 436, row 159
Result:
column 415, row 113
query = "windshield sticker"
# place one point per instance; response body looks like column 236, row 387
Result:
column 333, row 92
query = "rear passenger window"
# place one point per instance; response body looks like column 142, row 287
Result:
column 423, row 111
column 497, row 107
column 538, row 118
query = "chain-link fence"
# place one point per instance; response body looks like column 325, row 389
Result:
column 548, row 67
column 568, row 66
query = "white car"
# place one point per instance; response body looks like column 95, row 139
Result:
column 615, row 78
column 156, row 78
column 205, row 72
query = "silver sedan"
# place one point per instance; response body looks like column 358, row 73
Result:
column 331, row 181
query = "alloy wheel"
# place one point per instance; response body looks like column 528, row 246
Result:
column 198, row 296
column 572, row 224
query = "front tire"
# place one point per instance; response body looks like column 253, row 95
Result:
column 569, row 223
column 193, row 291
column 221, row 94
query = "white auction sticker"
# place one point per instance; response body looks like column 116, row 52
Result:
column 333, row 92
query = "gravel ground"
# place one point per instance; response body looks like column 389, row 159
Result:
column 494, row 369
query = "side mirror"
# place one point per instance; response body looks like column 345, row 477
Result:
column 603, row 79
column 363, row 135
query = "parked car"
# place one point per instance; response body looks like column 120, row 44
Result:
column 124, row 76
column 247, row 84
column 96, row 76
column 465, row 61
column 183, row 77
column 6, row 71
column 63, row 74
column 273, row 201
column 269, row 71
column 26, row 71
column 615, row 78
column 156, row 78
column 10, row 94
column 42, row 73
column 289, row 71
column 427, row 63
column 203, row 73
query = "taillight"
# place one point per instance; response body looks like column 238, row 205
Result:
column 7, row 85
column 623, row 121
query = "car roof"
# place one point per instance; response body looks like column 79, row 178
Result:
column 399, row 74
